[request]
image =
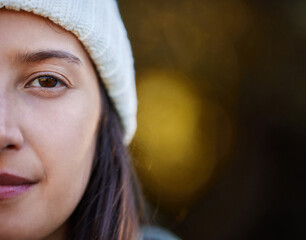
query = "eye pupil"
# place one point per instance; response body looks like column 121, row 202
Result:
column 47, row 82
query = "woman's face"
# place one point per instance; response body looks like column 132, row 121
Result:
column 49, row 114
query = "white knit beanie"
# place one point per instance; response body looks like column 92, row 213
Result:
column 98, row 25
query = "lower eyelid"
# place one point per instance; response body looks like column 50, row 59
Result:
column 47, row 93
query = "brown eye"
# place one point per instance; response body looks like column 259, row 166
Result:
column 45, row 82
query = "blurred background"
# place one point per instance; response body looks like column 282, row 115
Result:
column 220, row 147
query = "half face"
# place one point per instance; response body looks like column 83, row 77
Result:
column 49, row 113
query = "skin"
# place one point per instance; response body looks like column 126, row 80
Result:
column 47, row 134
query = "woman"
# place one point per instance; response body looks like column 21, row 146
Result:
column 64, row 171
column 67, row 111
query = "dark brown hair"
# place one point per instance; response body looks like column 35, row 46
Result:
column 109, row 209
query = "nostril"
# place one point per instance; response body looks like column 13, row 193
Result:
column 9, row 147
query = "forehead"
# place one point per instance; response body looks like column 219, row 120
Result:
column 26, row 31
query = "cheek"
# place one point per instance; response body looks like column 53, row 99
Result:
column 62, row 135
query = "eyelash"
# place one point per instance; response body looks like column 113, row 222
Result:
column 39, row 78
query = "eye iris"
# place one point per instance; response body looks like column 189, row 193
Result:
column 47, row 82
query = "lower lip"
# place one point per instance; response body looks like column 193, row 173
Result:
column 10, row 191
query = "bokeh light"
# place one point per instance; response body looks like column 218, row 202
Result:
column 177, row 136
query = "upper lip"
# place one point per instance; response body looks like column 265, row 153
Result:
column 10, row 179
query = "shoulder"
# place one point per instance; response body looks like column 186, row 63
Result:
column 155, row 233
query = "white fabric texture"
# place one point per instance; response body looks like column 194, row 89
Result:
column 98, row 25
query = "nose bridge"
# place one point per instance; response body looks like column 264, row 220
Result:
column 4, row 107
column 5, row 112
column 10, row 135
column 7, row 98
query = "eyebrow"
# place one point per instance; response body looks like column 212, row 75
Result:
column 31, row 57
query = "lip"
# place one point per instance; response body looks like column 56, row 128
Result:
column 13, row 185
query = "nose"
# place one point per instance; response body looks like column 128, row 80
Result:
column 11, row 137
